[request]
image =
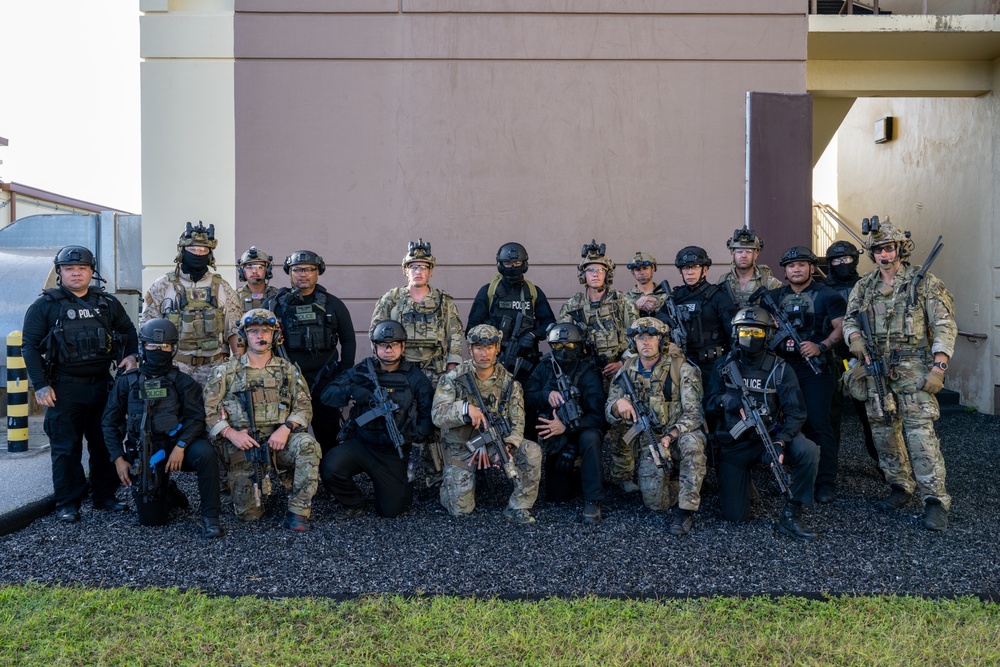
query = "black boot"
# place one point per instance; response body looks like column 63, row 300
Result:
column 789, row 523
column 591, row 512
column 211, row 528
column 681, row 524
column 935, row 515
column 898, row 498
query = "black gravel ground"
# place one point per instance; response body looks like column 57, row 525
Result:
column 631, row 554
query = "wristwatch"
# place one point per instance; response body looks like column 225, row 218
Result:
column 822, row 348
column 943, row 365
column 291, row 426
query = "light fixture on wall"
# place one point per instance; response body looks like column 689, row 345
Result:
column 883, row 130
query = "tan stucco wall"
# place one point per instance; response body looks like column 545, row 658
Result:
column 940, row 175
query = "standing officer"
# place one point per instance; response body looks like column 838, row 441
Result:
column 515, row 306
column 842, row 260
column 313, row 322
column 72, row 335
column 433, row 332
column 776, row 390
column 647, row 296
column 745, row 277
column 913, row 322
column 670, row 388
column 175, row 421
column 366, row 444
column 816, row 312
column 581, row 438
column 199, row 302
column 456, row 412
column 254, row 270
column 275, row 392
column 706, row 310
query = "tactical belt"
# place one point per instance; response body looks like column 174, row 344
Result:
column 89, row 379
column 896, row 356
column 199, row 361
column 710, row 354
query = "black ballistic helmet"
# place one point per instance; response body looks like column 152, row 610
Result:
column 753, row 316
column 842, row 249
column 388, row 331
column 512, row 252
column 159, row 330
column 304, row 257
column 798, row 254
column 564, row 332
column 73, row 255
column 692, row 255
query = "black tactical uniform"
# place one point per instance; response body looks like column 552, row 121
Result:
column 707, row 311
column 368, row 448
column 80, row 338
column 313, row 326
column 176, row 419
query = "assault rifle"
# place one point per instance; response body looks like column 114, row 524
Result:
column 384, row 407
column 646, row 426
column 785, row 328
column 498, row 426
column 753, row 418
column 678, row 330
column 510, row 354
column 923, row 269
column 258, row 457
column 144, row 459
column 569, row 412
column 875, row 367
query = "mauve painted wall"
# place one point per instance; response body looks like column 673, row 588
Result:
column 356, row 133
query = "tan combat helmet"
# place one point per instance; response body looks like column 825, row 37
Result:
column 200, row 235
column 592, row 253
column 419, row 251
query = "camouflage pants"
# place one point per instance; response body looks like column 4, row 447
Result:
column 458, row 490
column 623, row 454
column 659, row 490
column 301, row 454
column 200, row 374
column 909, row 452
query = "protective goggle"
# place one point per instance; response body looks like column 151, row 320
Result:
column 638, row 265
column 750, row 332
column 885, row 247
column 482, row 340
column 562, row 346
column 166, row 347
column 638, row 331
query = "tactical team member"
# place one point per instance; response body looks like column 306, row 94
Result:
column 255, row 270
column 366, row 445
column 433, row 331
column 566, row 443
column 671, row 388
column 647, row 296
column 746, row 277
column 706, row 310
column 604, row 314
column 515, row 306
column 456, row 413
column 199, row 302
column 281, row 409
column 817, row 314
column 842, row 261
column 175, row 419
column 776, row 389
column 72, row 334
column 314, row 322
column 914, row 327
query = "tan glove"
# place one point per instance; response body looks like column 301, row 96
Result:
column 858, row 347
column 933, row 383
column 858, row 372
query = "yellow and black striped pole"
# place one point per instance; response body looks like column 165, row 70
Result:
column 17, row 396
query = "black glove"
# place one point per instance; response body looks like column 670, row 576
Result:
column 360, row 395
column 730, row 402
column 567, row 458
column 526, row 341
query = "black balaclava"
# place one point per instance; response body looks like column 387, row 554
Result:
column 157, row 362
column 194, row 265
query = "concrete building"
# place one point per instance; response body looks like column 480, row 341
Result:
column 353, row 126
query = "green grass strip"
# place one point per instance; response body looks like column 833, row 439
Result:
column 55, row 626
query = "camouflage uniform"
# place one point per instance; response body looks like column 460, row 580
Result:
column 433, row 328
column 681, row 410
column 204, row 328
column 247, row 301
column 279, row 394
column 908, row 336
column 761, row 276
column 605, row 324
column 635, row 293
column 458, row 492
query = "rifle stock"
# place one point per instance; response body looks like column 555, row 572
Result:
column 875, row 368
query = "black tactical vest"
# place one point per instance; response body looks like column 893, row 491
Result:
column 82, row 334
column 505, row 308
column 399, row 391
column 703, row 324
column 763, row 390
column 308, row 327
column 164, row 416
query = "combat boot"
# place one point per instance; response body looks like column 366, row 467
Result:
column 591, row 512
column 681, row 524
column 629, row 487
column 935, row 515
column 899, row 497
column 789, row 524
column 295, row 522
column 211, row 528
column 520, row 516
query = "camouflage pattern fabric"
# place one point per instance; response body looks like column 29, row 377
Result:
column 909, row 450
column 301, row 455
column 761, row 276
column 634, row 294
column 605, row 325
column 433, row 327
column 459, row 485
column 683, row 412
column 246, row 300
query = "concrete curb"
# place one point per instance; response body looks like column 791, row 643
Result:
column 23, row 516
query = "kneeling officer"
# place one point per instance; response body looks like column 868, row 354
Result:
column 158, row 414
